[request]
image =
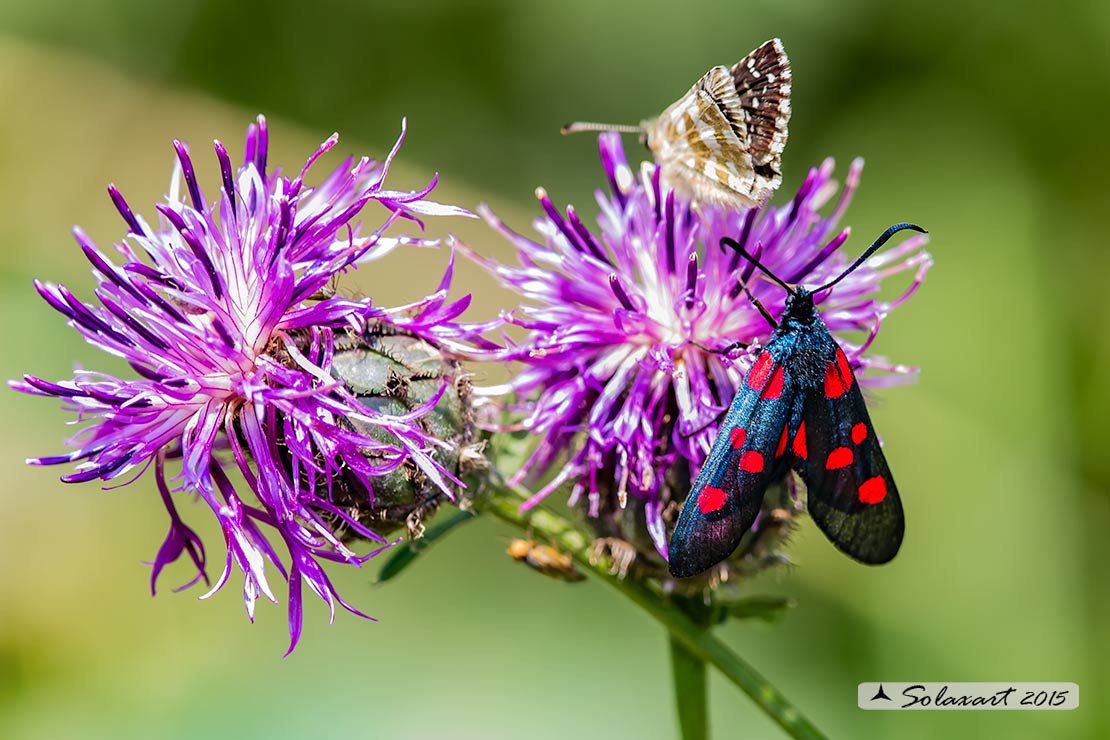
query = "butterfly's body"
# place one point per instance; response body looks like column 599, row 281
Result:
column 799, row 408
column 722, row 142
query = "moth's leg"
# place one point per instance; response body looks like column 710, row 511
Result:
column 715, row 420
column 724, row 350
column 763, row 311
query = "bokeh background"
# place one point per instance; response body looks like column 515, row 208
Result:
column 982, row 122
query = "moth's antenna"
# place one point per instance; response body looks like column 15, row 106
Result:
column 883, row 238
column 729, row 242
column 580, row 126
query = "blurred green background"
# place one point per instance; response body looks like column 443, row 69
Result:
column 985, row 123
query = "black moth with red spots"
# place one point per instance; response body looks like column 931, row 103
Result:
column 799, row 408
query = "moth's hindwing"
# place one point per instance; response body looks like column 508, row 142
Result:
column 749, row 454
column 850, row 492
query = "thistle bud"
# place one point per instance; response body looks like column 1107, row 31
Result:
column 398, row 374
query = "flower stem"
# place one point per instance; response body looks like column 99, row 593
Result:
column 697, row 642
column 701, row 642
column 690, row 692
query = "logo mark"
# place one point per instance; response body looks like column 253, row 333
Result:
column 957, row 696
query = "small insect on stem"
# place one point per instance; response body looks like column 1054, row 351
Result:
column 544, row 559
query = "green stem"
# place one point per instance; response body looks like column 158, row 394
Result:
column 697, row 641
column 691, row 693
column 702, row 643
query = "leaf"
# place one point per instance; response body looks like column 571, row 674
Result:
column 403, row 557
column 766, row 608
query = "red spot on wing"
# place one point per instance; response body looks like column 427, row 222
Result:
column 782, row 442
column 838, row 376
column 800, row 441
column 872, row 490
column 859, row 433
column 737, row 437
column 773, row 389
column 761, row 370
column 841, row 457
column 711, row 499
column 751, row 461
column 833, row 387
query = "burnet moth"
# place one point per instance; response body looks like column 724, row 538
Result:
column 798, row 408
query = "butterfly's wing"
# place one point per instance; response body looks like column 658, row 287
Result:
column 700, row 142
column 748, row 455
column 850, row 492
column 722, row 142
column 762, row 83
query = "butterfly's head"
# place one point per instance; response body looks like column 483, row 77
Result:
column 649, row 134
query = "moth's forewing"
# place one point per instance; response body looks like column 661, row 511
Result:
column 850, row 491
column 745, row 460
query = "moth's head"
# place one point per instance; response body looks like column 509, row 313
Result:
column 799, row 295
column 799, row 300
column 799, row 304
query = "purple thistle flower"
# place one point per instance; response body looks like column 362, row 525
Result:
column 622, row 321
column 221, row 310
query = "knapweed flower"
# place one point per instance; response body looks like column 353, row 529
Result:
column 225, row 312
column 623, row 377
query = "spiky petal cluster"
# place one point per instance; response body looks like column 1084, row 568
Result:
column 221, row 310
column 624, row 322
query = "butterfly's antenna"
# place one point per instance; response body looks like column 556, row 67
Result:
column 580, row 126
column 883, row 238
column 729, row 242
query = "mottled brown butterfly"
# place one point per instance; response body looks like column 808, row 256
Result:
column 722, row 142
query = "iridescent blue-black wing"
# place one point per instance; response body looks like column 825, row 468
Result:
column 850, row 492
column 748, row 455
